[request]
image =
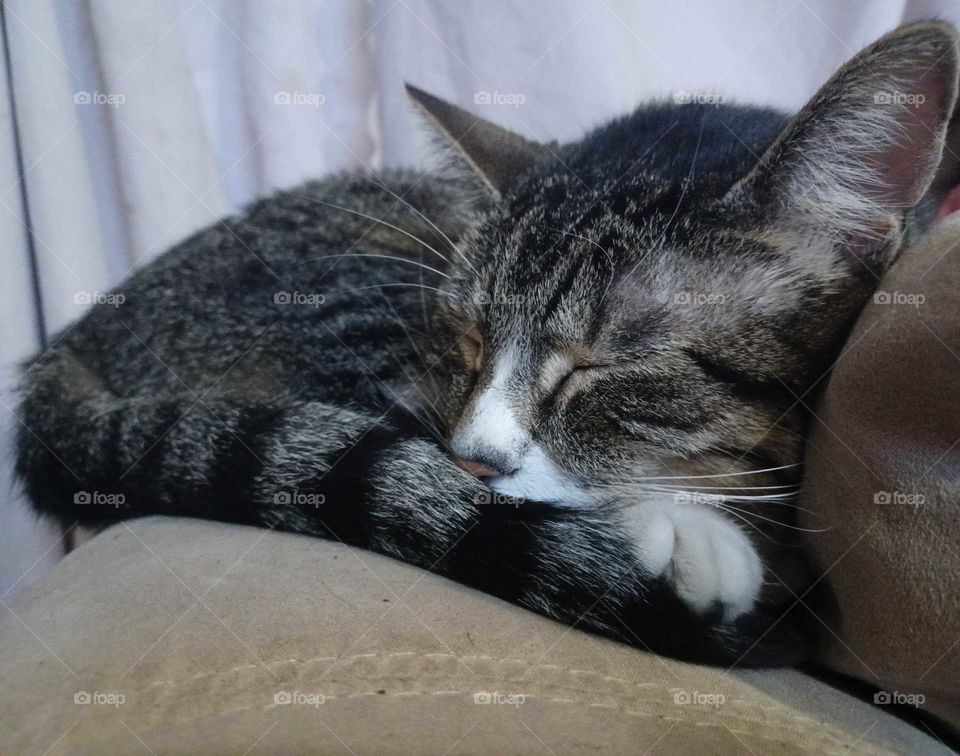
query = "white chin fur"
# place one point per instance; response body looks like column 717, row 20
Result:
column 704, row 556
column 539, row 479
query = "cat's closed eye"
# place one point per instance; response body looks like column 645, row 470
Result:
column 564, row 376
column 572, row 382
column 471, row 344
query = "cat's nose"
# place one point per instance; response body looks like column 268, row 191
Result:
column 489, row 437
column 477, row 469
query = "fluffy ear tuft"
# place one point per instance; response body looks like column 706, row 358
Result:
column 866, row 148
column 496, row 155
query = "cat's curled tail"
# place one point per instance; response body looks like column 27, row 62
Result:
column 89, row 456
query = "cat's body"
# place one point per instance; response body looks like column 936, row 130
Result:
column 594, row 337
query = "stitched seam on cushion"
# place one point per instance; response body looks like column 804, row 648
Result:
column 778, row 722
column 825, row 739
column 780, row 710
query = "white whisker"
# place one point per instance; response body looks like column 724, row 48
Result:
column 389, row 285
column 382, row 222
column 794, row 486
column 433, row 225
column 753, row 526
column 719, row 475
column 403, row 324
column 746, row 513
column 718, row 500
column 432, row 422
column 381, row 257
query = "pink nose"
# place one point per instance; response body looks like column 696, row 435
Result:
column 476, row 469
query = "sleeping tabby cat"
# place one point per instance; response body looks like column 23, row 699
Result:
column 573, row 376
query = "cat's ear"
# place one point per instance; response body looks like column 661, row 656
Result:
column 496, row 155
column 866, row 148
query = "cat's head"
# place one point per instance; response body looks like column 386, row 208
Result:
column 657, row 299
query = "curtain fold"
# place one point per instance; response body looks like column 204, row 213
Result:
column 141, row 122
column 28, row 547
column 169, row 175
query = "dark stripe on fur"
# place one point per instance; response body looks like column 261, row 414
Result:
column 235, row 469
column 743, row 385
column 344, row 515
column 571, row 274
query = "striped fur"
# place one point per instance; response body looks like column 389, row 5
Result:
column 621, row 327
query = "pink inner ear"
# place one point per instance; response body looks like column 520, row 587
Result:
column 950, row 204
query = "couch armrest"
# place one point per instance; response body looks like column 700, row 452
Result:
column 193, row 636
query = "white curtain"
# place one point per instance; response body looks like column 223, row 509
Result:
column 127, row 124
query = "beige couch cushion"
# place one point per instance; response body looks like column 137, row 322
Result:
column 188, row 636
column 883, row 479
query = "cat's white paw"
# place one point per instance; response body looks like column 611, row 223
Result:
column 706, row 559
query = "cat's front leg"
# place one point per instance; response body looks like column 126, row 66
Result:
column 704, row 556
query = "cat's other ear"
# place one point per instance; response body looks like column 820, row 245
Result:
column 865, row 149
column 496, row 155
